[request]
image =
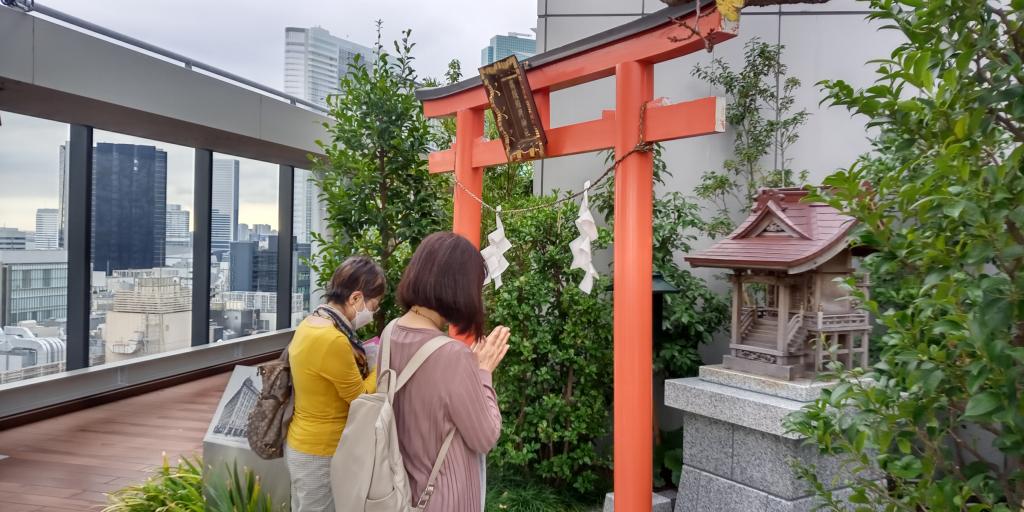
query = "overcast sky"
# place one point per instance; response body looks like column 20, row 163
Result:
column 245, row 37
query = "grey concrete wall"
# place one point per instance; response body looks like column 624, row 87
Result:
column 51, row 71
column 830, row 41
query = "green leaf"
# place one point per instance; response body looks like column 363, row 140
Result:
column 982, row 404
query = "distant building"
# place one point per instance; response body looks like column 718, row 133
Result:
column 129, row 207
column 515, row 43
column 47, row 229
column 178, row 235
column 302, row 279
column 305, row 198
column 254, row 268
column 33, row 286
column 315, row 61
column 25, row 352
column 246, row 313
column 12, row 239
column 244, row 233
column 224, row 205
column 154, row 317
column 62, row 215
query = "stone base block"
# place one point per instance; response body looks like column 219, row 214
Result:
column 705, row 492
column 737, row 455
column 801, row 390
column 659, row 502
column 784, row 372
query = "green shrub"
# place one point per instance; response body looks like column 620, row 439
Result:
column 173, row 489
column 944, row 207
column 180, row 488
column 511, row 493
column 555, row 385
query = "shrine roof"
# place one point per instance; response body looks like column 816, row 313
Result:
column 782, row 233
column 615, row 34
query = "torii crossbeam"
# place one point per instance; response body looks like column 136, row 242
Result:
column 628, row 52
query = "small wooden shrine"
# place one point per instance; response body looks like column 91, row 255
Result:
column 789, row 315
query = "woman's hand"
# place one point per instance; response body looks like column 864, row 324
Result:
column 491, row 350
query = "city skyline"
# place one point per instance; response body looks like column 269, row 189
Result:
column 251, row 46
column 31, row 160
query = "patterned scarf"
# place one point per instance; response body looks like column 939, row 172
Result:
column 323, row 311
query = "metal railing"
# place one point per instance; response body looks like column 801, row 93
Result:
column 31, row 6
column 31, row 372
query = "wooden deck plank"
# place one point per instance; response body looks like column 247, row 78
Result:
column 72, row 461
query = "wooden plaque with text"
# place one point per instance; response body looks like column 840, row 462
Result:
column 515, row 111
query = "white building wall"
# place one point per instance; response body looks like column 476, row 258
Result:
column 47, row 229
column 830, row 41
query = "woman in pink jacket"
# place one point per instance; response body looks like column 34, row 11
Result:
column 442, row 287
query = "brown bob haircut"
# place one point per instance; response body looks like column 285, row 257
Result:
column 356, row 274
column 446, row 274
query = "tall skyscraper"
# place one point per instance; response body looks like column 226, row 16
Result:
column 177, row 226
column 47, row 229
column 315, row 61
column 129, row 210
column 515, row 43
column 305, row 202
column 224, row 218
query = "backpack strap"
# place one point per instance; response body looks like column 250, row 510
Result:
column 385, row 371
column 428, row 491
column 419, row 358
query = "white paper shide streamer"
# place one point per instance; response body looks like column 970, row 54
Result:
column 494, row 253
column 582, row 257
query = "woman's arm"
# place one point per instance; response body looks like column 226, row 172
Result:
column 473, row 404
column 343, row 372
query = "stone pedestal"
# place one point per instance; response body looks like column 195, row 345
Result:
column 737, row 456
column 660, row 502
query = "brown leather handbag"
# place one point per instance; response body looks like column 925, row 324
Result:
column 270, row 417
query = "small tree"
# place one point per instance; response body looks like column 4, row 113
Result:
column 380, row 198
column 760, row 111
column 943, row 417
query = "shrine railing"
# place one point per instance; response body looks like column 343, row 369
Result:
column 793, row 328
column 844, row 322
column 747, row 319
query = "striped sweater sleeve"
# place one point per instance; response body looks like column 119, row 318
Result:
column 473, row 403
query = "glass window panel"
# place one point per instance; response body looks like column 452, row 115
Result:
column 243, row 246
column 305, row 221
column 33, row 260
column 141, row 247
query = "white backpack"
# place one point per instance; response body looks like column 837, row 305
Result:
column 367, row 472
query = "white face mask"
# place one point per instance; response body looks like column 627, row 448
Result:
column 363, row 317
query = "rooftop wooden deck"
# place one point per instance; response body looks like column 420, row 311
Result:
column 69, row 462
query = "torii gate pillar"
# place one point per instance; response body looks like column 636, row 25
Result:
column 632, row 300
column 629, row 53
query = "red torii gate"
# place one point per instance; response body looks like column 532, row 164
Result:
column 628, row 52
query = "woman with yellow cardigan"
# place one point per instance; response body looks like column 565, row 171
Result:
column 330, row 368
